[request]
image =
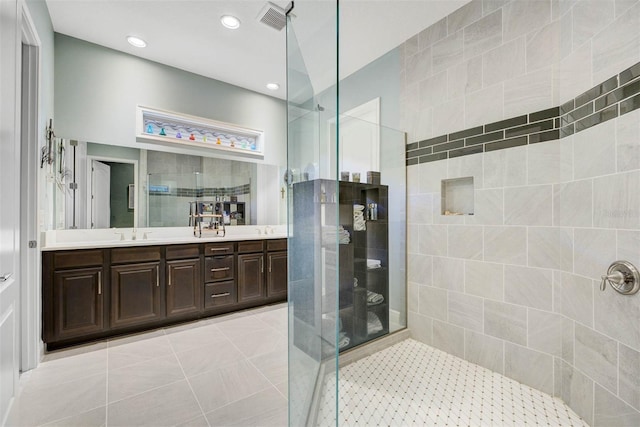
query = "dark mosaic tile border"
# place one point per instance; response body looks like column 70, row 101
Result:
column 205, row 192
column 614, row 97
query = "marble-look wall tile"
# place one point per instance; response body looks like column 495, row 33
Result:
column 593, row 151
column 589, row 18
column 448, row 273
column 573, row 204
column 594, row 250
column 418, row 66
column 413, row 238
column 611, row 411
column 531, row 287
column 464, row 78
column 413, row 295
column 622, row 6
column 431, row 176
column 488, row 208
column 420, row 208
column 489, row 6
column 629, row 246
column 433, row 302
column 448, row 51
column 561, row 7
column 506, row 245
column 629, row 375
column 448, row 117
column 484, row 106
column 597, row 356
column 616, row 201
column 628, row 142
column 549, row 44
column 418, row 122
column 504, row 62
column 568, row 340
column 544, row 332
column 529, row 92
column 550, row 162
column 505, row 321
column 484, row 350
column 464, row 16
column 528, row 205
column 410, row 48
column 419, row 268
column 420, row 327
column 433, row 240
column 573, row 75
column 529, row 367
column 433, row 90
column 557, row 377
column 465, row 241
column 448, row 338
column 521, row 17
column 483, row 35
column 465, row 166
column 432, row 34
column 413, row 181
column 465, row 311
column 577, row 392
column 575, row 297
column 551, row 247
column 612, row 312
column 505, row 168
column 617, row 46
column 484, row 279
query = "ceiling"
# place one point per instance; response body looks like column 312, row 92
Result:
column 187, row 34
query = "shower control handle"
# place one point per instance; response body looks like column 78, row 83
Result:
column 623, row 277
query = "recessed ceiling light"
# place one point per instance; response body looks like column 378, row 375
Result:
column 136, row 41
column 273, row 86
column 230, row 22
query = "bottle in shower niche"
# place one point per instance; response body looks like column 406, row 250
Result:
column 372, row 211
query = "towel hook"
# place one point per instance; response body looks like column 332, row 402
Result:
column 623, row 277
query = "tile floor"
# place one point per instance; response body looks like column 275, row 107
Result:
column 224, row 371
column 232, row 371
column 413, row 384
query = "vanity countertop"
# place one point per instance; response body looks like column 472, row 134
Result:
column 55, row 240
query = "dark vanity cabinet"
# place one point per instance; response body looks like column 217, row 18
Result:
column 136, row 288
column 276, row 268
column 96, row 293
column 183, row 284
column 76, row 290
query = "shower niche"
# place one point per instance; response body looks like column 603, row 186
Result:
column 457, row 196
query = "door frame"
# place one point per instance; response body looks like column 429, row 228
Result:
column 31, row 346
column 136, row 187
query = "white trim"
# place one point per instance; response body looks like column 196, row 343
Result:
column 135, row 182
column 30, row 307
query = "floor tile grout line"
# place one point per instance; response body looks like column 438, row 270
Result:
column 189, row 383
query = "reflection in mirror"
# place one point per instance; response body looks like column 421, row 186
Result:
column 104, row 186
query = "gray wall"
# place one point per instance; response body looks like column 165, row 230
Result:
column 97, row 90
column 514, row 288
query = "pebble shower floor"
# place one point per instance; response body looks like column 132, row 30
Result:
column 413, row 384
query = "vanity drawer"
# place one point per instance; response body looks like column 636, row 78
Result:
column 183, row 251
column 76, row 259
column 250, row 246
column 277, row 245
column 219, row 294
column 135, row 254
column 218, row 268
column 218, row 248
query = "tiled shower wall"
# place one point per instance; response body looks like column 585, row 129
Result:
column 515, row 287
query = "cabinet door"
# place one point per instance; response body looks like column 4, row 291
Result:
column 277, row 274
column 184, row 287
column 250, row 277
column 135, row 294
column 78, row 302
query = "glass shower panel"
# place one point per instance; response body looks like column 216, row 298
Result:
column 168, row 198
column 312, row 215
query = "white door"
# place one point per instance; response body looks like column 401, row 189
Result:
column 100, row 195
column 10, row 40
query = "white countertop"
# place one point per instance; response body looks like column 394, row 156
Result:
column 54, row 240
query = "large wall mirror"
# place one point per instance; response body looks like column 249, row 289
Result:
column 105, row 186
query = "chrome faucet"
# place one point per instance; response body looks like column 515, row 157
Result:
column 133, row 234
